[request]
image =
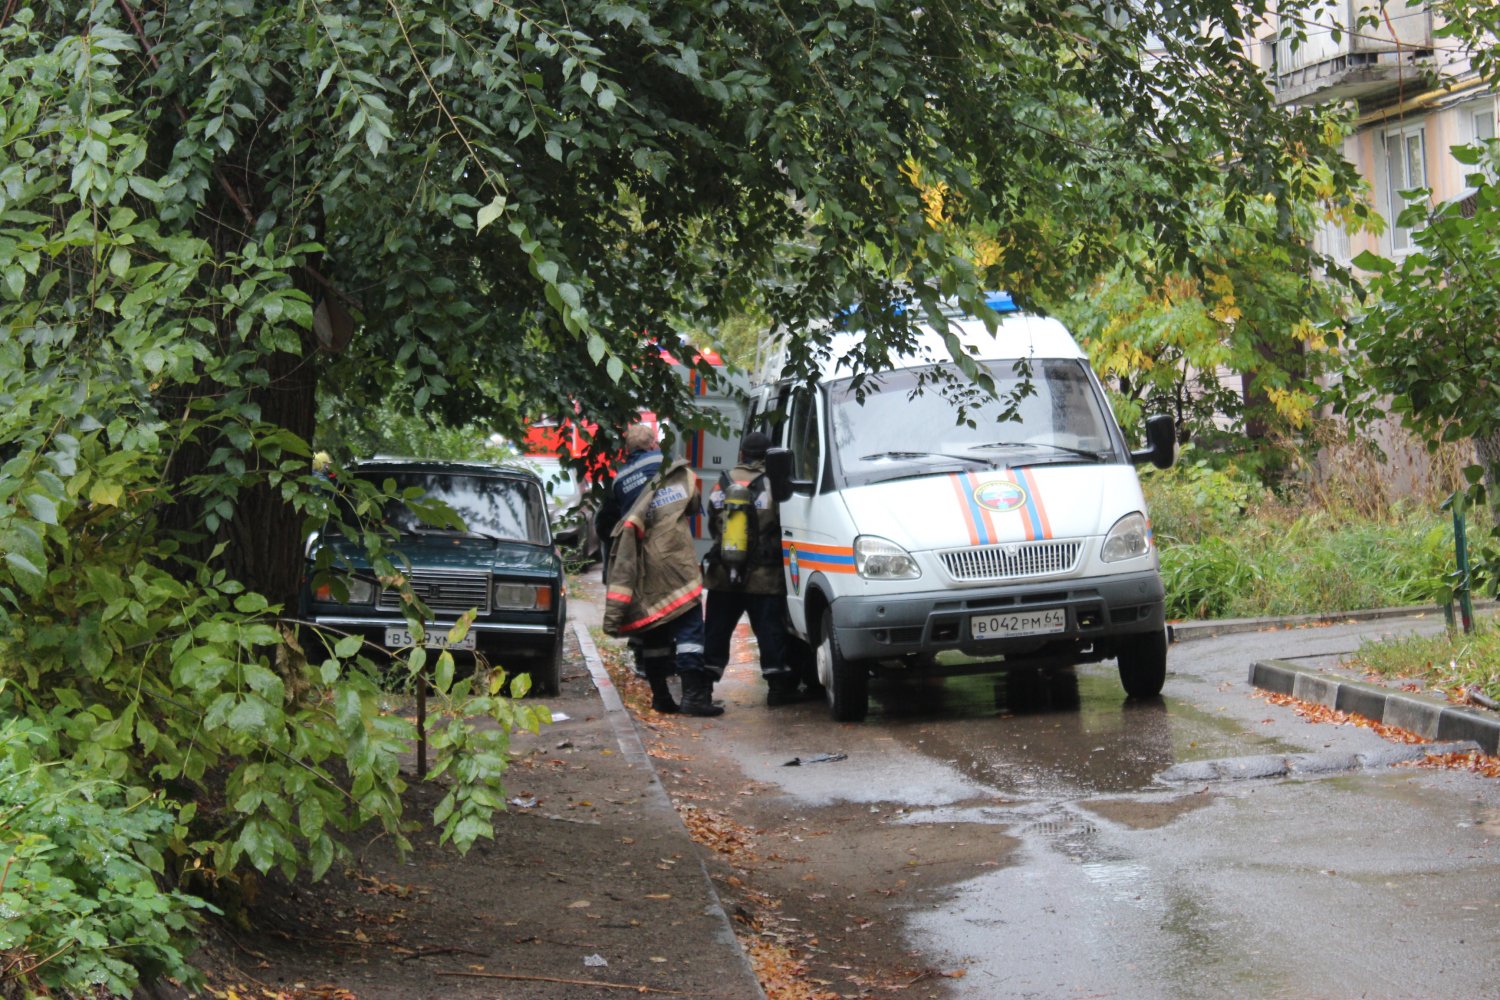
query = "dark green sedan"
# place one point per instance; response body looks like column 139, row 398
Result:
column 501, row 563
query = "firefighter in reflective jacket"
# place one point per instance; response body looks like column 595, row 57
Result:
column 743, row 573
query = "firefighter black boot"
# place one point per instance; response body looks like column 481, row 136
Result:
column 697, row 694
column 661, row 695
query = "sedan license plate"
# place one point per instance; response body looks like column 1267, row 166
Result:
column 398, row 638
column 1043, row 621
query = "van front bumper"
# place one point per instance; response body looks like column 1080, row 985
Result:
column 1097, row 609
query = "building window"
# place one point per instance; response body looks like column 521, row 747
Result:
column 1405, row 170
column 1482, row 121
column 1332, row 240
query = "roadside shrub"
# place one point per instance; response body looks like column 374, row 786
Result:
column 1274, row 563
column 82, row 910
column 1193, row 500
column 1206, row 579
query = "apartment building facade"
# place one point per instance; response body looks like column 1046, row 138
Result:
column 1414, row 95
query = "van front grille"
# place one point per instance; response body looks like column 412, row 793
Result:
column 1015, row 561
column 455, row 592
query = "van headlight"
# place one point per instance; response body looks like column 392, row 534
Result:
column 879, row 559
column 1130, row 538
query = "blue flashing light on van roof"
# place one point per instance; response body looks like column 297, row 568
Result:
column 1000, row 302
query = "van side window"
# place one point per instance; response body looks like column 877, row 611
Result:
column 803, row 439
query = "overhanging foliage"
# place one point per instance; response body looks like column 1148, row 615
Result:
column 515, row 204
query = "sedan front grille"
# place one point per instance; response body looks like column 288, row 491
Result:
column 1012, row 561
column 455, row 592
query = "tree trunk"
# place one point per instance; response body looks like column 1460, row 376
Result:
column 265, row 535
column 1487, row 448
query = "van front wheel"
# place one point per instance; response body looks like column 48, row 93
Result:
column 846, row 683
column 1143, row 664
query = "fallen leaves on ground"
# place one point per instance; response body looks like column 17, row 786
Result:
column 1313, row 712
column 719, row 833
column 770, row 941
column 1477, row 763
column 240, row 991
column 374, row 886
column 781, row 974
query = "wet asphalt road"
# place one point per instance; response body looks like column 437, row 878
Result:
column 1098, row 879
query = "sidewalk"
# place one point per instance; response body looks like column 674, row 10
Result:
column 1323, row 680
column 717, row 956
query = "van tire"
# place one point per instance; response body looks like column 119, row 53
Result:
column 846, row 683
column 1143, row 664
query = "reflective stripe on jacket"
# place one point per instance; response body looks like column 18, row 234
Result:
column 653, row 566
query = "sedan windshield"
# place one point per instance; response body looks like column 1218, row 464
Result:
column 497, row 507
column 908, row 424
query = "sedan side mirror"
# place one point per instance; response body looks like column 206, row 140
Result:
column 779, row 472
column 1161, row 443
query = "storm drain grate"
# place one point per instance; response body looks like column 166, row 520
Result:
column 1062, row 828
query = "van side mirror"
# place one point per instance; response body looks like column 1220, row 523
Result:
column 1161, row 443
column 779, row 472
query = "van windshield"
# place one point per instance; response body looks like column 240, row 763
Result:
column 908, row 424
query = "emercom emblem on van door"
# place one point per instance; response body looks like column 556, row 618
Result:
column 793, row 568
column 1000, row 495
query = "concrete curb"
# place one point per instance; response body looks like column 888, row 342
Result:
column 1209, row 628
column 1426, row 716
column 634, row 751
column 1304, row 765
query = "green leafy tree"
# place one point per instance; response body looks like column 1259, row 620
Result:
column 1427, row 347
column 1253, row 301
column 211, row 211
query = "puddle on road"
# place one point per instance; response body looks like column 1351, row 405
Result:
column 1147, row 814
column 1065, row 732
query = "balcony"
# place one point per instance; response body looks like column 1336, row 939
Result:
column 1345, row 56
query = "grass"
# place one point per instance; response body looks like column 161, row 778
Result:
column 1448, row 662
column 1233, row 549
column 1279, row 563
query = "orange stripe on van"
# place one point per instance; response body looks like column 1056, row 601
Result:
column 964, row 489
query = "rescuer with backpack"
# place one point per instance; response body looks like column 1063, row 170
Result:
column 743, row 573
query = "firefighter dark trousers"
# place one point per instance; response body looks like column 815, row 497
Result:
column 765, row 611
column 674, row 648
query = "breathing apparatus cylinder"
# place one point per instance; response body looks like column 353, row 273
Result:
column 737, row 535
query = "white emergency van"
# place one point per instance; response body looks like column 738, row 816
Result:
column 929, row 526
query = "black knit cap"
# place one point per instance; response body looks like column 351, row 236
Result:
column 753, row 445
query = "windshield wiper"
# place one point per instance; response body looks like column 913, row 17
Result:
column 1094, row 456
column 968, row 460
column 428, row 530
column 488, row 535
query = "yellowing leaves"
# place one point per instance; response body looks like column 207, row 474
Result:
column 1310, row 334
column 1121, row 357
column 1294, row 405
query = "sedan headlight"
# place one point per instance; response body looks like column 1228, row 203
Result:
column 881, row 559
column 522, row 597
column 1130, row 538
column 354, row 591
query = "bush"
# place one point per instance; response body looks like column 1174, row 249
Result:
column 82, row 910
column 1278, row 562
column 1193, row 500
